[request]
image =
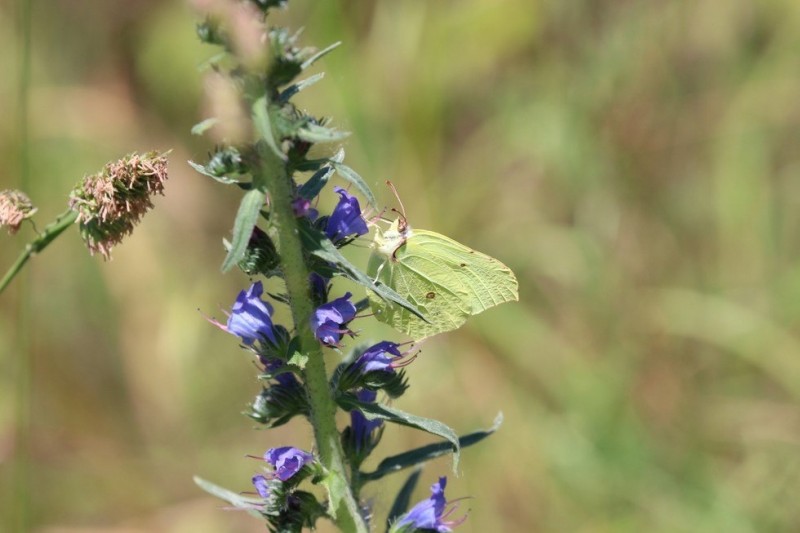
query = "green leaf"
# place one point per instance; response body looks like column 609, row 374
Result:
column 319, row 245
column 222, row 179
column 264, row 127
column 295, row 88
column 246, row 220
column 352, row 176
column 237, row 500
column 314, row 133
column 310, row 189
column 204, row 125
column 403, row 499
column 319, row 55
column 379, row 411
column 426, row 453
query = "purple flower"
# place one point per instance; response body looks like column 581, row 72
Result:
column 429, row 514
column 329, row 319
column 287, row 460
column 273, row 364
column 360, row 427
column 251, row 317
column 261, row 483
column 346, row 218
column 378, row 357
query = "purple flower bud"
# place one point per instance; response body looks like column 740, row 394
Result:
column 346, row 218
column 251, row 317
column 287, row 460
column 319, row 286
column 262, row 485
column 302, row 208
column 429, row 514
column 360, row 427
column 378, row 357
column 329, row 319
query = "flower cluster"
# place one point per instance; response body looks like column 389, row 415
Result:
column 15, row 207
column 110, row 203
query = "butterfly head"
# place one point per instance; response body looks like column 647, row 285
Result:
column 389, row 240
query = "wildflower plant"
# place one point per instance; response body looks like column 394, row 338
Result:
column 279, row 232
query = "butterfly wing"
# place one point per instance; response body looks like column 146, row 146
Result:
column 446, row 280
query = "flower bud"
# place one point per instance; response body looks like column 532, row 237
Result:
column 15, row 206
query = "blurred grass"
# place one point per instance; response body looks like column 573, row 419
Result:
column 634, row 162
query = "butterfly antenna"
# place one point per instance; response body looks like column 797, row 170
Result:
column 399, row 201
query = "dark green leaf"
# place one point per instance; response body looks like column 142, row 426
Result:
column 423, row 454
column 403, row 499
column 295, row 88
column 383, row 412
column 310, row 189
column 246, row 220
column 352, row 176
column 319, row 245
column 237, row 500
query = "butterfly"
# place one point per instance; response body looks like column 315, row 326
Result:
column 446, row 280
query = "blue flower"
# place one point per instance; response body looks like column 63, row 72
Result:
column 378, row 357
column 360, row 427
column 261, row 483
column 328, row 319
column 287, row 460
column 428, row 514
column 251, row 317
column 346, row 218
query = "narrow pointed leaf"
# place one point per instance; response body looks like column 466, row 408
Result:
column 222, row 179
column 310, row 189
column 426, row 453
column 264, row 126
column 320, row 246
column 403, row 499
column 314, row 133
column 237, row 500
column 373, row 411
column 352, row 176
column 295, row 88
column 203, row 126
column 246, row 220
column 319, row 55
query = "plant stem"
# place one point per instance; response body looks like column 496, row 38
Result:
column 323, row 406
column 21, row 464
column 51, row 231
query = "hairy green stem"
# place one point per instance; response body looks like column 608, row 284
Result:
column 323, row 406
column 51, row 231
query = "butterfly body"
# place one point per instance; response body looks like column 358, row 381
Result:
column 447, row 281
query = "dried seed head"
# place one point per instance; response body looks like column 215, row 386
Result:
column 110, row 203
column 15, row 206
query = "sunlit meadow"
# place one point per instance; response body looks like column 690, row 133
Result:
column 634, row 163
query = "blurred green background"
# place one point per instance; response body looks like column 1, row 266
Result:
column 634, row 162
